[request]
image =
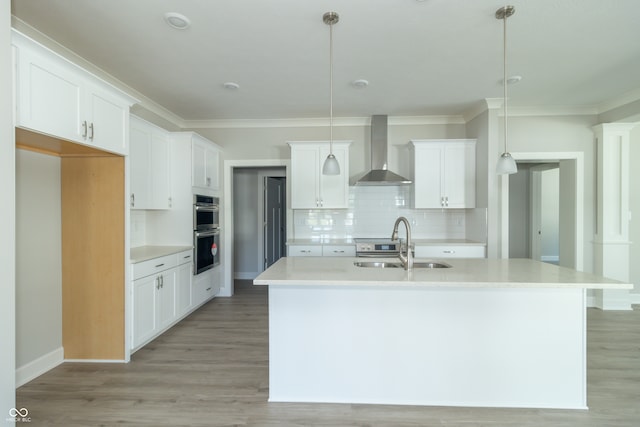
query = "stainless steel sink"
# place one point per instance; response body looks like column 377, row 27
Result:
column 386, row 264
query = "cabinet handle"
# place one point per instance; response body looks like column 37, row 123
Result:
column 159, row 265
column 446, row 201
column 91, row 134
column 133, row 200
column 158, row 282
column 449, row 252
column 304, row 251
column 208, row 289
column 162, row 281
column 208, row 182
column 170, row 202
column 338, row 252
column 84, row 129
column 187, row 256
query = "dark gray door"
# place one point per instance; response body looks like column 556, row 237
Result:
column 274, row 219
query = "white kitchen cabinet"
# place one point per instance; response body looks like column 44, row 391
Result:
column 310, row 189
column 338, row 250
column 183, row 291
column 449, row 251
column 58, row 98
column 157, row 295
column 149, row 166
column 205, row 286
column 205, row 164
column 304, row 250
column 444, row 173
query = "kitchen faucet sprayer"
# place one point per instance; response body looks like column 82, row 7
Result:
column 407, row 261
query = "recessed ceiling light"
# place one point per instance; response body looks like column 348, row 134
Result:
column 177, row 20
column 360, row 83
column 231, row 85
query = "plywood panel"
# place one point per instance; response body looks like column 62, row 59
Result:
column 93, row 257
column 40, row 143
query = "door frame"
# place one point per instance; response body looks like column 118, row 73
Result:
column 262, row 174
column 227, row 212
column 546, row 157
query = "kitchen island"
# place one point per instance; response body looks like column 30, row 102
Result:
column 485, row 332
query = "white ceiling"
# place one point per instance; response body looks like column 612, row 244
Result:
column 432, row 57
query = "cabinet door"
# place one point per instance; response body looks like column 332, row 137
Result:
column 159, row 172
column 139, row 167
column 428, row 176
column 183, row 292
column 305, row 175
column 212, row 176
column 334, row 189
column 167, row 298
column 49, row 97
column 144, row 321
column 459, row 172
column 108, row 120
column 198, row 161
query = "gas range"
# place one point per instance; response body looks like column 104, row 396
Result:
column 377, row 247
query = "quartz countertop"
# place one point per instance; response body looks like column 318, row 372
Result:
column 464, row 272
column 145, row 253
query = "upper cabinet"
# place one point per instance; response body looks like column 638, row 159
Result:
column 444, row 173
column 310, row 189
column 57, row 98
column 149, row 166
column 205, row 164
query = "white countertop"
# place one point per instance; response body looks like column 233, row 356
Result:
column 467, row 272
column 145, row 253
column 351, row 241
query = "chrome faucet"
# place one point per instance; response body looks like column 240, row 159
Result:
column 407, row 261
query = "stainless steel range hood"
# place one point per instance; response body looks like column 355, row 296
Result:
column 379, row 174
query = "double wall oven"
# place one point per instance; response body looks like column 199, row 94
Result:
column 206, row 232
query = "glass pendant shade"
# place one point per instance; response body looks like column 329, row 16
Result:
column 506, row 165
column 331, row 166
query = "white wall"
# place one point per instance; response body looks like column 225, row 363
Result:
column 7, row 225
column 38, row 256
column 563, row 134
column 519, row 213
column 245, row 219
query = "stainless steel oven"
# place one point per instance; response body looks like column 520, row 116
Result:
column 206, row 233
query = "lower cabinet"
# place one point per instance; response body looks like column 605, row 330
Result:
column 321, row 250
column 160, row 294
column 205, row 286
column 449, row 251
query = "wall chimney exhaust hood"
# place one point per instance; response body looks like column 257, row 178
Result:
column 379, row 174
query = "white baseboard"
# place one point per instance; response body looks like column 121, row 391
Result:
column 37, row 367
column 591, row 301
column 95, row 361
column 245, row 275
column 634, row 298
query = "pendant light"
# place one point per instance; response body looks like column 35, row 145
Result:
column 506, row 163
column 331, row 165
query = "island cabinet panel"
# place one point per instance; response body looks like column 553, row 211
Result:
column 57, row 98
column 441, row 346
column 310, row 189
column 444, row 174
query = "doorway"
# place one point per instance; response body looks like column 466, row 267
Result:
column 534, row 212
column 571, row 206
column 259, row 219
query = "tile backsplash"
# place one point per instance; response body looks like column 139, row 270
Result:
column 372, row 212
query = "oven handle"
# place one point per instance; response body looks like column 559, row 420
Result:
column 207, row 233
column 206, row 208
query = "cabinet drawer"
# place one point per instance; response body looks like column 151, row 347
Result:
column 450, row 251
column 339, row 250
column 185, row 257
column 155, row 265
column 305, row 250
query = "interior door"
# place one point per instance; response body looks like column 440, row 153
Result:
column 274, row 219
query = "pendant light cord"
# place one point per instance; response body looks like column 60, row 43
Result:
column 504, row 79
column 331, row 88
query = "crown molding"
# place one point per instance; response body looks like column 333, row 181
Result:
column 320, row 122
column 624, row 99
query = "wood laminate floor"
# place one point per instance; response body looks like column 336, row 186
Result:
column 212, row 370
